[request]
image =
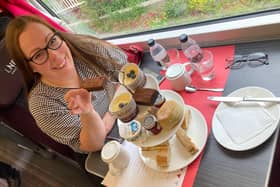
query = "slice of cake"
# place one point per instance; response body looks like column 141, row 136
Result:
column 94, row 84
column 145, row 96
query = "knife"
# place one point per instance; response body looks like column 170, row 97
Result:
column 245, row 99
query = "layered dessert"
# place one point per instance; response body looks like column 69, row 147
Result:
column 124, row 107
column 132, row 77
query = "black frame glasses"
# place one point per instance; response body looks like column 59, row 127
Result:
column 253, row 60
column 41, row 56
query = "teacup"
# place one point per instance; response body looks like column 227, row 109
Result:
column 178, row 76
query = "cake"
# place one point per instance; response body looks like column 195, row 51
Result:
column 94, row 84
column 124, row 107
column 170, row 114
column 145, row 96
column 132, row 77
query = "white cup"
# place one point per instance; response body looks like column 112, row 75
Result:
column 178, row 77
column 116, row 156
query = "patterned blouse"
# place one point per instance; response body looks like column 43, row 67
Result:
column 50, row 111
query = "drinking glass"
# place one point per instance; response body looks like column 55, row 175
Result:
column 205, row 66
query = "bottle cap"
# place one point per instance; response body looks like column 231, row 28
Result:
column 183, row 38
column 151, row 42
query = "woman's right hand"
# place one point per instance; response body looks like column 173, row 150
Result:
column 79, row 101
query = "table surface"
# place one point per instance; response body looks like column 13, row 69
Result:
column 224, row 168
column 220, row 167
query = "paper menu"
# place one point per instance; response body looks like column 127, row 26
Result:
column 137, row 174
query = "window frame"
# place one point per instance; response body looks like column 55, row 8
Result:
column 260, row 26
column 240, row 29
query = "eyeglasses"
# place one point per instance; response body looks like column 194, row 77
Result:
column 41, row 56
column 253, row 60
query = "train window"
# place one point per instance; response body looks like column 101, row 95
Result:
column 110, row 18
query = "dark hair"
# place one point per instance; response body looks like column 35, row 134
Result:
column 82, row 47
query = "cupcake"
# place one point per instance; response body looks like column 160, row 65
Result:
column 124, row 107
column 132, row 77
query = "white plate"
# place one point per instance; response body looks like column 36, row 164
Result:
column 180, row 158
column 151, row 82
column 219, row 131
column 147, row 140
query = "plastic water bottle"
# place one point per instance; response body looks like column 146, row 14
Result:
column 158, row 53
column 190, row 48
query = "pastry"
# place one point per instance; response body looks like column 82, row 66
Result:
column 169, row 114
column 145, row 96
column 94, row 84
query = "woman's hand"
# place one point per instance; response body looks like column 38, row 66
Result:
column 79, row 101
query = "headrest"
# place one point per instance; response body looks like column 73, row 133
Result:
column 11, row 81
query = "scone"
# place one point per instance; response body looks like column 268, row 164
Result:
column 170, row 114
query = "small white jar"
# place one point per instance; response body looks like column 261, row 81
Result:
column 116, row 156
column 178, row 77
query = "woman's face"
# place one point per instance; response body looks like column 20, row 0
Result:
column 59, row 63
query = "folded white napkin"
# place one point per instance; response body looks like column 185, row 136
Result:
column 243, row 123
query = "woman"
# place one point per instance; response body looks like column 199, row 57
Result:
column 53, row 63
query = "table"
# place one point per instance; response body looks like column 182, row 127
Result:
column 223, row 168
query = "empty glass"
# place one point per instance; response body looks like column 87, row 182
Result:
column 205, row 66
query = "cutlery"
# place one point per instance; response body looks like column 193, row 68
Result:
column 246, row 99
column 194, row 89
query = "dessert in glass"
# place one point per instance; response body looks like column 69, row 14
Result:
column 124, row 107
column 132, row 77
